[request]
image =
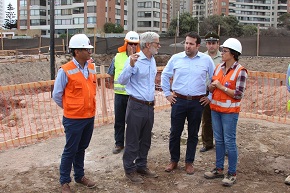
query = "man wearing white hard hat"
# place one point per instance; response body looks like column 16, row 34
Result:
column 228, row 87
column 131, row 46
column 75, row 92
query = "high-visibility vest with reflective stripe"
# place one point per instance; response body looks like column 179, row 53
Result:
column 120, row 60
column 221, row 102
column 79, row 98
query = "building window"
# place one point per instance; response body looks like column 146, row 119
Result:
column 92, row 9
column 156, row 5
column 23, row 22
column 144, row 13
column 118, row 2
column 144, row 4
column 66, row 12
column 224, row 3
column 78, row 1
column 38, row 2
column 78, row 10
column 144, row 24
column 125, row 12
column 118, row 12
column 156, row 14
column 23, row 12
column 92, row 20
column 118, row 21
column 57, row 12
column 156, row 24
column 66, row 2
column 23, row 3
column 79, row 20
column 35, row 22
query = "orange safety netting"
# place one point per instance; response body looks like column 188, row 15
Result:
column 28, row 114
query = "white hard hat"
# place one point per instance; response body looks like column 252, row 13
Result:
column 80, row 41
column 132, row 36
column 233, row 44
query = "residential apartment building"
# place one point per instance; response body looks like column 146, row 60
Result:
column 148, row 15
column 2, row 12
column 84, row 16
column 248, row 12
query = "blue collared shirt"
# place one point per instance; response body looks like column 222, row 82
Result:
column 111, row 70
column 62, row 80
column 140, row 79
column 189, row 74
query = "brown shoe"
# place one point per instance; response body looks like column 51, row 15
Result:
column 146, row 172
column 117, row 149
column 65, row 188
column 189, row 168
column 86, row 182
column 171, row 167
column 134, row 177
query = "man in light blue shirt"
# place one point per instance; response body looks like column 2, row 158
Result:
column 139, row 77
column 189, row 70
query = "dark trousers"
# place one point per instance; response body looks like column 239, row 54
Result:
column 181, row 110
column 206, row 125
column 78, row 134
column 139, row 119
column 120, row 105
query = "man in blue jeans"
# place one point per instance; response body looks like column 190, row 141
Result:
column 75, row 92
column 131, row 46
column 189, row 70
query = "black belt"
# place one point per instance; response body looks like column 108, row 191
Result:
column 189, row 97
column 149, row 103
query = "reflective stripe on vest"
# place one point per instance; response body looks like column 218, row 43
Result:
column 80, row 93
column 227, row 104
column 221, row 102
column 120, row 60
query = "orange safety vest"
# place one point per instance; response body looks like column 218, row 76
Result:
column 221, row 102
column 79, row 98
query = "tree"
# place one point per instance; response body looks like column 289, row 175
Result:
column 284, row 21
column 10, row 19
column 112, row 28
column 249, row 30
column 229, row 25
column 186, row 24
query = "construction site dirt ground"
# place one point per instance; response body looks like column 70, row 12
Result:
column 263, row 163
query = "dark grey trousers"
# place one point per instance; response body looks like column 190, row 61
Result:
column 139, row 119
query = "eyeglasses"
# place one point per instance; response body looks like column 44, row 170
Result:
column 87, row 49
column 156, row 43
column 131, row 44
column 225, row 51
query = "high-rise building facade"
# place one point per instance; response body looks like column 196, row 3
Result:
column 2, row 12
column 83, row 16
column 248, row 12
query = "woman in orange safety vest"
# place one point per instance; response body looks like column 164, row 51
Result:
column 228, row 86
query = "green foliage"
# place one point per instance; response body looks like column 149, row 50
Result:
column 64, row 36
column 118, row 29
column 186, row 24
column 112, row 28
column 249, row 30
column 284, row 21
column 10, row 19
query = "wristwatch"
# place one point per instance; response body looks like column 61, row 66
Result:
column 226, row 89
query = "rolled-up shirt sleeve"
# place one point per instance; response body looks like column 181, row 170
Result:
column 59, row 86
column 241, row 84
column 127, row 72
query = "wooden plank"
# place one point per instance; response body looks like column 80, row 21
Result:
column 27, row 85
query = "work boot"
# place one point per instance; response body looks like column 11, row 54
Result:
column 117, row 149
column 215, row 173
column 86, row 182
column 147, row 173
column 65, row 188
column 229, row 179
column 134, row 177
